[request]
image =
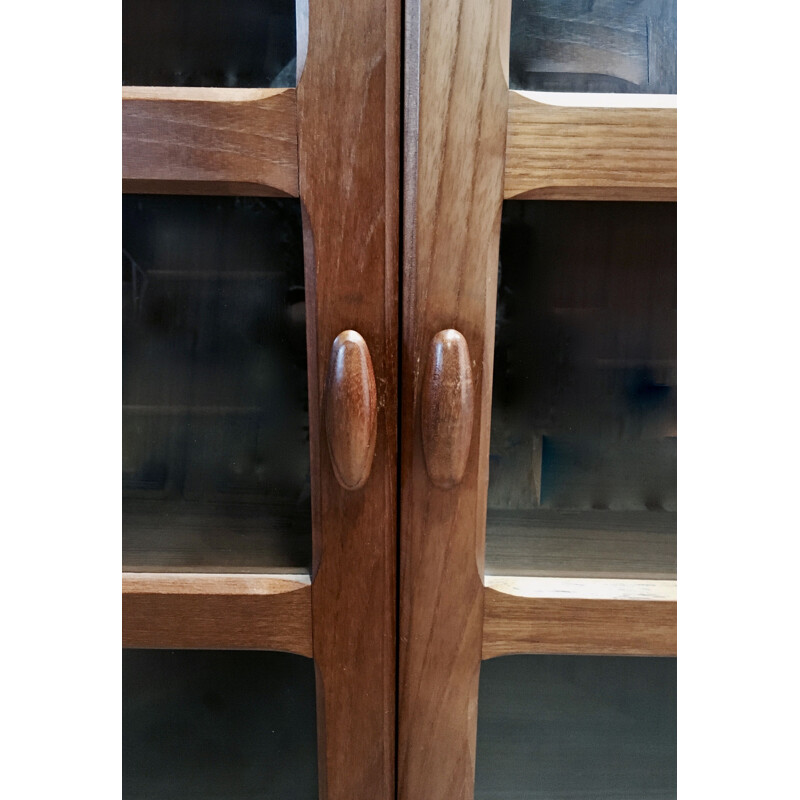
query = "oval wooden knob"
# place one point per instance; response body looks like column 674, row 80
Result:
column 448, row 399
column 351, row 409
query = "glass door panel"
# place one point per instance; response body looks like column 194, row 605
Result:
column 214, row 406
column 216, row 725
column 566, row 727
column 626, row 46
column 231, row 43
column 582, row 470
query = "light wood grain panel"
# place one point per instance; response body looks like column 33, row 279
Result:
column 570, row 624
column 569, row 153
column 201, row 611
column 348, row 132
column 181, row 140
column 456, row 96
column 582, row 588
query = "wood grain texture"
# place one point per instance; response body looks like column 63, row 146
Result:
column 182, row 140
column 197, row 611
column 179, row 536
column 351, row 409
column 572, row 625
column 627, row 544
column 448, row 402
column 566, row 153
column 455, row 116
column 348, row 103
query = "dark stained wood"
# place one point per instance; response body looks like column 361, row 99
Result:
column 183, row 140
column 348, row 132
column 578, row 626
column 253, row 612
column 563, row 153
column 351, row 410
column 455, row 107
column 448, row 402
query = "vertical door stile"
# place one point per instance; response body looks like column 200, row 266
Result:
column 348, row 102
column 455, row 135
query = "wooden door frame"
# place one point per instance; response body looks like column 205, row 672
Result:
column 334, row 143
column 470, row 143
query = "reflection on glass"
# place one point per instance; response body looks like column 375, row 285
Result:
column 215, row 409
column 565, row 727
column 594, row 46
column 583, row 439
column 217, row 725
column 235, row 43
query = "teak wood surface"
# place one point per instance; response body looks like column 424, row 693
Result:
column 348, row 99
column 196, row 611
column 575, row 625
column 189, row 140
column 334, row 143
column 564, row 153
column 351, row 410
column 455, row 119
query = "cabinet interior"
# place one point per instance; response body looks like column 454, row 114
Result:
column 218, row 725
column 620, row 46
column 567, row 727
column 215, row 402
column 582, row 470
column 225, row 43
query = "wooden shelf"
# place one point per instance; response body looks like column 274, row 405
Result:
column 176, row 536
column 600, row 544
column 589, row 582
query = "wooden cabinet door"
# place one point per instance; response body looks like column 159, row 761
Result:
column 579, row 559
column 216, row 396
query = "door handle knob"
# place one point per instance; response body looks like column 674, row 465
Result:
column 448, row 401
column 351, row 409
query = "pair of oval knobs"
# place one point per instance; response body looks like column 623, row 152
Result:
column 351, row 409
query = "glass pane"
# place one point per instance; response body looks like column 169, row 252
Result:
column 594, row 46
column 582, row 471
column 214, row 397
column 242, row 43
column 212, row 725
column 566, row 727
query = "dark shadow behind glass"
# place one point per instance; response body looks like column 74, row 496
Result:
column 584, row 419
column 565, row 727
column 215, row 400
column 218, row 725
column 228, row 43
